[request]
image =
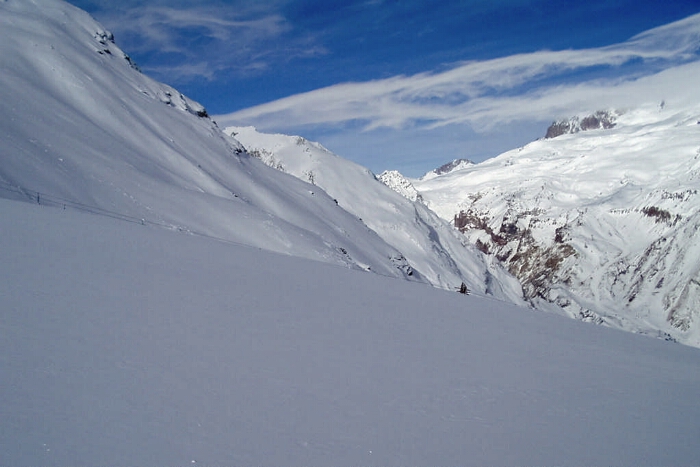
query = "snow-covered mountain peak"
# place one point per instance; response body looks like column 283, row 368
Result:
column 400, row 184
column 449, row 167
column 87, row 130
column 600, row 223
column 600, row 120
column 429, row 244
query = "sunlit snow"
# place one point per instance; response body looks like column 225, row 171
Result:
column 168, row 299
column 624, row 199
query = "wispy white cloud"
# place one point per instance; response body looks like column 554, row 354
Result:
column 482, row 94
column 184, row 72
column 208, row 40
column 161, row 27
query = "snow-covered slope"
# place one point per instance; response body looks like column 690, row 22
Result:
column 130, row 345
column 400, row 184
column 429, row 243
column 603, row 223
column 82, row 127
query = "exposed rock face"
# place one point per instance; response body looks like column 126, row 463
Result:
column 558, row 258
column 536, row 264
column 601, row 120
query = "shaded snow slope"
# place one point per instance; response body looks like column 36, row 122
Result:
column 429, row 244
column 82, row 126
column 602, row 223
column 124, row 344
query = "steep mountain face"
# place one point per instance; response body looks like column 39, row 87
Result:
column 430, row 245
column 83, row 128
column 601, row 224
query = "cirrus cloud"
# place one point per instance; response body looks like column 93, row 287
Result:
column 482, row 94
column 188, row 40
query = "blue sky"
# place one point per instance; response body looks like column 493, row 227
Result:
column 408, row 84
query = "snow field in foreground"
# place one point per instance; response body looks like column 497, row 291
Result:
column 124, row 344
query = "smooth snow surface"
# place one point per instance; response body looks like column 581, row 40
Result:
column 125, row 344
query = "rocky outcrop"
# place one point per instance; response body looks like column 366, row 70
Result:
column 537, row 265
column 452, row 166
column 601, row 120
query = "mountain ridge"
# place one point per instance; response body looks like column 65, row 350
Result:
column 216, row 311
column 87, row 127
column 600, row 223
column 427, row 242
